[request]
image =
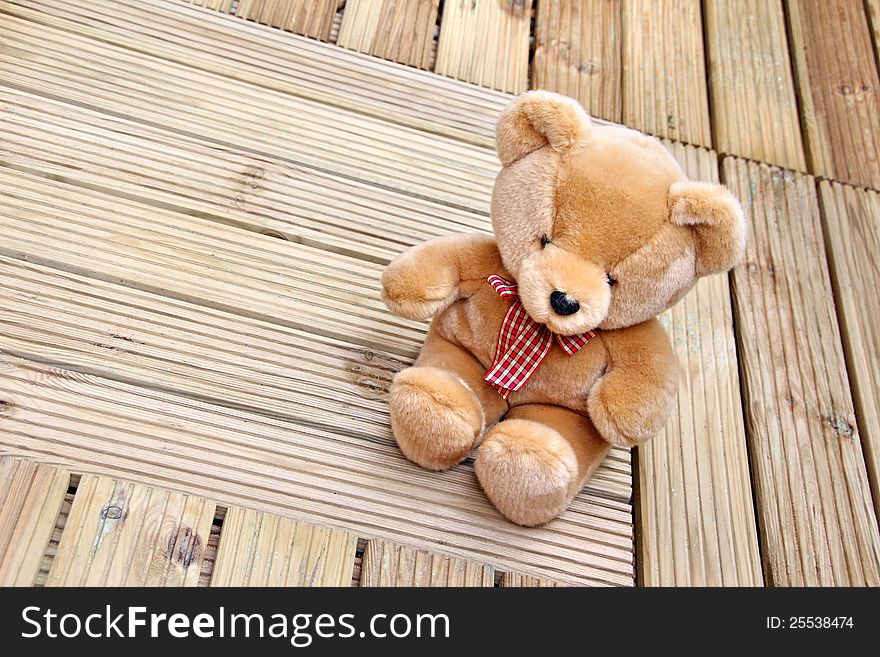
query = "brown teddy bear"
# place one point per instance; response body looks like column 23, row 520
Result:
column 545, row 337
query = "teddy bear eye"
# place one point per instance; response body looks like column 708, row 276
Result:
column 544, row 241
column 611, row 280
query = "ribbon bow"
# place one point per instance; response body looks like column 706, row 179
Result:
column 523, row 343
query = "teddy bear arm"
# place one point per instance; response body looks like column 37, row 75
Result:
column 426, row 279
column 633, row 399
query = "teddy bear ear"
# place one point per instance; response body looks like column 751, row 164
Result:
column 717, row 221
column 537, row 118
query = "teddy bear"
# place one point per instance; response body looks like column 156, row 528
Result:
column 544, row 348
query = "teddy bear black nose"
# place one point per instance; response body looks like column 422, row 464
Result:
column 563, row 304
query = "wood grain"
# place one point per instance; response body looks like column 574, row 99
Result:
column 262, row 549
column 312, row 18
column 518, row 580
column 240, row 458
column 754, row 107
column 125, row 534
column 221, row 110
column 486, row 42
column 839, row 86
column 31, row 496
column 251, row 274
column 216, row 5
column 260, row 194
column 287, row 63
column 60, row 524
column 873, row 7
column 227, row 359
column 234, row 361
column 664, row 70
column 389, row 564
column 816, row 518
column 852, row 236
column 399, row 30
column 695, row 511
column 578, row 53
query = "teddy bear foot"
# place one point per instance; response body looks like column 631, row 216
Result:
column 435, row 417
column 527, row 470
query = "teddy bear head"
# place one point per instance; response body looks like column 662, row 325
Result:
column 599, row 224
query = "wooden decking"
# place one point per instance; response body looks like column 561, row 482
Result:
column 196, row 204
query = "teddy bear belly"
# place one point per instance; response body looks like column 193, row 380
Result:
column 560, row 379
column 563, row 380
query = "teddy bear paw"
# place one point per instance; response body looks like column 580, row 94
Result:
column 626, row 422
column 527, row 470
column 436, row 419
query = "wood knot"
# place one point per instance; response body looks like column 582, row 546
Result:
column 839, row 425
column 5, row 405
column 183, row 547
column 112, row 512
column 274, row 233
column 588, row 67
column 253, row 174
column 512, row 7
column 370, row 382
column 124, row 338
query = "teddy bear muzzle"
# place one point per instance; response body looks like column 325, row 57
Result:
column 563, row 304
column 563, row 291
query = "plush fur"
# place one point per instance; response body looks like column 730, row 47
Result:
column 626, row 235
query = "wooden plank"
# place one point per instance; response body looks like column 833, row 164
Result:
column 31, row 495
column 312, row 18
column 149, row 248
column 232, row 360
column 149, row 89
column 486, row 42
column 578, row 53
column 873, row 7
column 258, row 193
column 286, row 63
column 814, row 503
column 389, row 564
column 125, row 534
column 695, row 512
column 852, row 235
column 363, row 371
column 754, row 108
column 60, row 524
column 262, row 549
column 228, row 359
column 217, row 5
column 399, row 30
column 838, row 82
column 240, row 458
column 518, row 580
column 664, row 70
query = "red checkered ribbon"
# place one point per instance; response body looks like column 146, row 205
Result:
column 523, row 344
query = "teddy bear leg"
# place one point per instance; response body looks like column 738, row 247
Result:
column 441, row 406
column 533, row 463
